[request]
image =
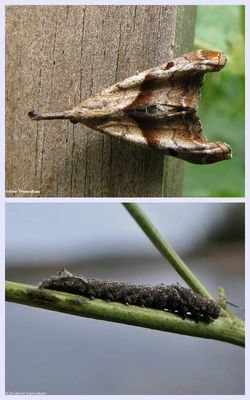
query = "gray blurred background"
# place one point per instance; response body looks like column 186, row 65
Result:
column 61, row 354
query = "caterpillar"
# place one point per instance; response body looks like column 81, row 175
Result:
column 173, row 298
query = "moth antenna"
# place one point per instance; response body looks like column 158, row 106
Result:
column 41, row 116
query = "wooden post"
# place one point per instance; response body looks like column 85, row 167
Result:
column 57, row 56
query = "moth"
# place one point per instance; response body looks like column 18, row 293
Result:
column 173, row 298
column 156, row 108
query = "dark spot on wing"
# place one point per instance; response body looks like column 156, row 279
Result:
column 149, row 130
column 145, row 96
column 169, row 65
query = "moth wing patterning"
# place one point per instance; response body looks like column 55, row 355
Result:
column 180, row 136
column 175, row 84
column 156, row 108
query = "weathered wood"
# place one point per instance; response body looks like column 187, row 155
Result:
column 58, row 55
column 184, row 35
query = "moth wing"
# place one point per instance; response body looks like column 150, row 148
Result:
column 180, row 136
column 176, row 83
column 157, row 107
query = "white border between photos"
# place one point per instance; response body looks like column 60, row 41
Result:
column 124, row 200
column 114, row 200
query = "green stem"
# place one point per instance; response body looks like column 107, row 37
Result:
column 223, row 329
column 166, row 250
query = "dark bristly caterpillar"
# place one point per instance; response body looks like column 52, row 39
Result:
column 173, row 298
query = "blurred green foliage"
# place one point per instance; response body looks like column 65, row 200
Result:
column 222, row 108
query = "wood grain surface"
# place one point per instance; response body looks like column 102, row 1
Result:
column 56, row 56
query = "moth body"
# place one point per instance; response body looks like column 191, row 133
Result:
column 156, row 108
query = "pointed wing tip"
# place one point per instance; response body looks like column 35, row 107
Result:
column 229, row 154
column 214, row 60
column 227, row 150
column 221, row 153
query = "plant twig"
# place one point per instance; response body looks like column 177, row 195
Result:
column 166, row 250
column 223, row 329
column 169, row 254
